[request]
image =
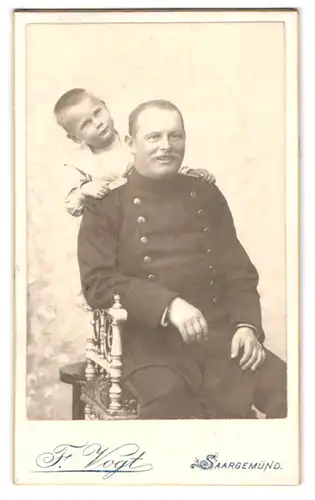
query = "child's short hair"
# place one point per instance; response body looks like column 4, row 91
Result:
column 68, row 99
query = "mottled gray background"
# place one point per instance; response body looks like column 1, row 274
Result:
column 228, row 80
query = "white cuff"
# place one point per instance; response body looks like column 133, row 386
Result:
column 164, row 320
column 246, row 325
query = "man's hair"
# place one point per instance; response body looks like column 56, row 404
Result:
column 68, row 99
column 158, row 103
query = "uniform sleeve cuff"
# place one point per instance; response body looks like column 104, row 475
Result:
column 253, row 328
column 164, row 319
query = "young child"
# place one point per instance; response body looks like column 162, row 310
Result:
column 102, row 159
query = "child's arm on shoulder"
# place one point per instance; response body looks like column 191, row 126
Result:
column 95, row 188
column 75, row 199
column 200, row 173
column 86, row 186
column 74, row 202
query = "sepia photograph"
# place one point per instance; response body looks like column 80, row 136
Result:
column 156, row 245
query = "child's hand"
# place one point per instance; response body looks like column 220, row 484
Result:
column 96, row 189
column 204, row 174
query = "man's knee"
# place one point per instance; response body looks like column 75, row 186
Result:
column 271, row 391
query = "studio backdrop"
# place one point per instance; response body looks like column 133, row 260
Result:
column 228, row 79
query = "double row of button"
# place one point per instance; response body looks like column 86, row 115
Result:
column 144, row 240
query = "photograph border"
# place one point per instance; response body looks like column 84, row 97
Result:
column 292, row 187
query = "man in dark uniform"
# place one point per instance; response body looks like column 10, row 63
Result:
column 193, row 345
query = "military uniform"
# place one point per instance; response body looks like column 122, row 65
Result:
column 154, row 240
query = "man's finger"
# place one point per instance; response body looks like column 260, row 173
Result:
column 198, row 330
column 260, row 360
column 184, row 333
column 248, row 349
column 235, row 347
column 193, row 329
column 204, row 327
column 252, row 360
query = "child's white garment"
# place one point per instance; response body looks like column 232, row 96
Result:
column 111, row 165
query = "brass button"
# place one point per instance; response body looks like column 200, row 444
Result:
column 206, row 229
column 209, row 250
column 193, row 194
column 144, row 239
column 201, row 212
column 137, row 201
column 211, row 282
column 141, row 220
column 147, row 259
column 210, row 267
column 151, row 277
column 214, row 300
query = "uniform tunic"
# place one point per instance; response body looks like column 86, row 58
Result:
column 154, row 240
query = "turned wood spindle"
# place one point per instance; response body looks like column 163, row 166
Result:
column 90, row 368
column 119, row 316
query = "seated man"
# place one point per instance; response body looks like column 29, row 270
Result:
column 193, row 344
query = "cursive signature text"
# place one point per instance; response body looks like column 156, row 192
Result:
column 93, row 457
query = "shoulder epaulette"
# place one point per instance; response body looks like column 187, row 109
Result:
column 117, row 183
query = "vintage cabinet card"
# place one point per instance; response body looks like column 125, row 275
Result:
column 114, row 397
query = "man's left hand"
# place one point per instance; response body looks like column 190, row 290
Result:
column 203, row 174
column 254, row 354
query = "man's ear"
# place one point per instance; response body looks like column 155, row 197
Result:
column 129, row 141
column 74, row 138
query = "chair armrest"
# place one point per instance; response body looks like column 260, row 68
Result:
column 104, row 351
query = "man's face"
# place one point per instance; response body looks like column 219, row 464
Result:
column 158, row 143
column 89, row 122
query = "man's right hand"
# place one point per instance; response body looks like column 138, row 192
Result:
column 188, row 320
column 96, row 189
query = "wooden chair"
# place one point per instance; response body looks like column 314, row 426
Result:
column 98, row 392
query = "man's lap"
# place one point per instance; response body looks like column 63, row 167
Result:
column 224, row 384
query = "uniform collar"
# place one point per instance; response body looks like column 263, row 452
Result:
column 161, row 185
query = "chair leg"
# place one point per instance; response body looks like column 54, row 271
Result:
column 77, row 404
